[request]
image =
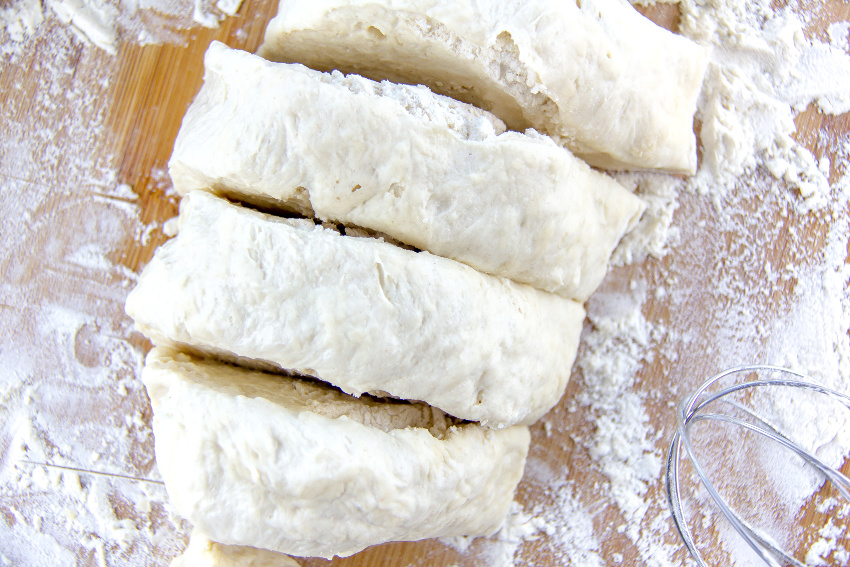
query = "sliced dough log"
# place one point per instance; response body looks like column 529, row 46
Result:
column 203, row 552
column 359, row 313
column 297, row 467
column 424, row 169
column 617, row 89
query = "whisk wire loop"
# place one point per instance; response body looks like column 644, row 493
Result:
column 736, row 522
column 689, row 412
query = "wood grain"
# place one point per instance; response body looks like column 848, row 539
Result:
column 150, row 88
column 154, row 86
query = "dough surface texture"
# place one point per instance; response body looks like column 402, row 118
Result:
column 203, row 552
column 428, row 171
column 359, row 313
column 250, row 459
column 613, row 87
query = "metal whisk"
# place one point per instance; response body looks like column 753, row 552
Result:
column 693, row 410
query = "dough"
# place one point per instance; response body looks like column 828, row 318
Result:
column 615, row 88
column 424, row 169
column 359, row 313
column 203, row 552
column 297, row 467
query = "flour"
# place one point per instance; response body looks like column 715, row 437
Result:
column 20, row 21
column 839, row 35
column 654, row 234
column 763, row 71
column 106, row 23
column 615, row 349
column 70, row 401
column 210, row 15
column 502, row 549
column 565, row 526
column 754, row 183
column 831, row 547
column 711, row 290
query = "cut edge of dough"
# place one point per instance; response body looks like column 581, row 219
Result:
column 419, row 101
column 299, row 393
column 481, row 500
column 513, row 91
column 498, row 63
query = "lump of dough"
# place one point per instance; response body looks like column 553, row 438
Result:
column 615, row 88
column 359, row 313
column 203, row 552
column 297, row 467
column 426, row 170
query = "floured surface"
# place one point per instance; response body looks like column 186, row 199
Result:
column 74, row 228
column 70, row 396
column 738, row 272
column 106, row 24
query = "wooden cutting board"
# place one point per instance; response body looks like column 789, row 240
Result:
column 149, row 89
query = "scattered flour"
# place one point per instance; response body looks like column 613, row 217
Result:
column 839, row 35
column 708, row 290
column 569, row 527
column 765, row 69
column 832, row 546
column 106, row 23
column 70, row 399
column 655, row 233
column 762, row 73
column 501, row 550
column 20, row 21
column 614, row 350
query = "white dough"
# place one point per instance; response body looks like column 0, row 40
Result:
column 424, row 169
column 288, row 464
column 203, row 552
column 618, row 90
column 359, row 313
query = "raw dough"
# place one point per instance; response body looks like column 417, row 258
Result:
column 618, row 90
column 288, row 464
column 424, row 169
column 359, row 313
column 203, row 552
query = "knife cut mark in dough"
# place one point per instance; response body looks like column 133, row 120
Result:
column 428, row 171
column 615, row 88
column 259, row 289
column 300, row 468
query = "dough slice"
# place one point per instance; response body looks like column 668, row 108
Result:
column 426, row 170
column 615, row 88
column 359, row 313
column 300, row 468
column 203, row 552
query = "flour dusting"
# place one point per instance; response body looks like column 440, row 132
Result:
column 107, row 23
column 699, row 286
column 70, row 400
column 756, row 186
column 763, row 71
column 20, row 21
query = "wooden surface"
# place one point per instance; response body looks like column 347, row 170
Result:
column 148, row 91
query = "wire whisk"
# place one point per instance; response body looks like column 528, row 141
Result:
column 693, row 410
